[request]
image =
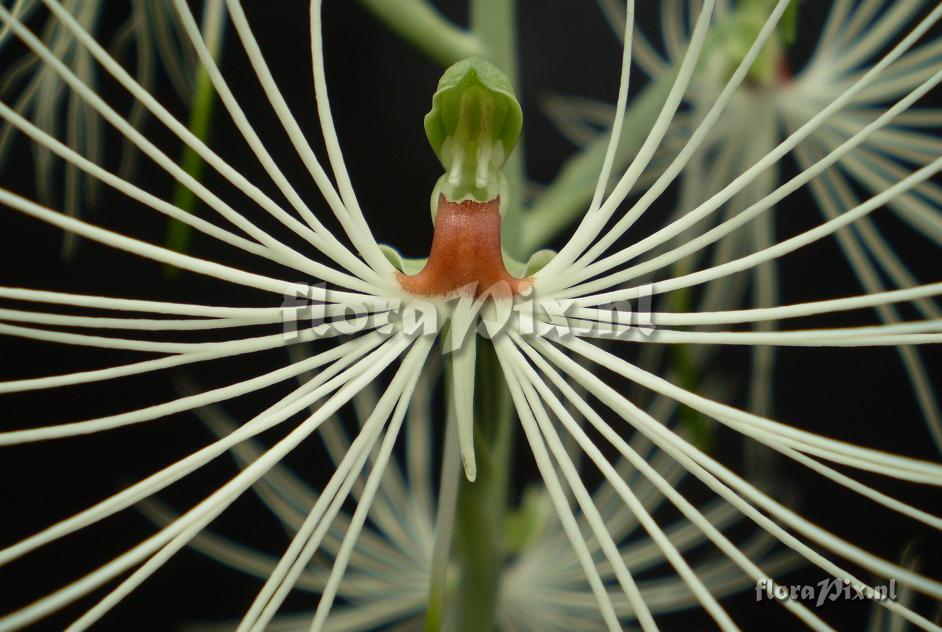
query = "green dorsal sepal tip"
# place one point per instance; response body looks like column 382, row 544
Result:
column 473, row 127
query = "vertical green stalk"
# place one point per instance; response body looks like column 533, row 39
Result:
column 202, row 108
column 482, row 505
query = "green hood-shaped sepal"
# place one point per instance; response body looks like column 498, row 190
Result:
column 473, row 126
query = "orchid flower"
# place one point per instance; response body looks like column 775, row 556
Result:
column 496, row 349
column 776, row 104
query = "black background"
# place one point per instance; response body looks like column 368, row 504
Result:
column 380, row 89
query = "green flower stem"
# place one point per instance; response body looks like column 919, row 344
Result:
column 421, row 24
column 202, row 108
column 480, row 542
column 567, row 198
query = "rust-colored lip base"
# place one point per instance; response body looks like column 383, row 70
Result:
column 465, row 250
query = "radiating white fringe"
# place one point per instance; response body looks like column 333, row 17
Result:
column 582, row 572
